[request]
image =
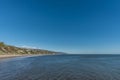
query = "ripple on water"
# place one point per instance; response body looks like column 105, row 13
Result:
column 64, row 67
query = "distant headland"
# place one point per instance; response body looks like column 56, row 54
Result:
column 11, row 51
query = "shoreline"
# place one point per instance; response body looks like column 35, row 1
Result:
column 24, row 55
column 9, row 56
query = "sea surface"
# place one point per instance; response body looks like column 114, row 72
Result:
column 61, row 67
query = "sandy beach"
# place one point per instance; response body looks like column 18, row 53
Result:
column 20, row 55
column 15, row 55
column 9, row 56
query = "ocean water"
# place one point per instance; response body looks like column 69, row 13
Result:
column 61, row 67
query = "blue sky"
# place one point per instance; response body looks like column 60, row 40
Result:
column 75, row 26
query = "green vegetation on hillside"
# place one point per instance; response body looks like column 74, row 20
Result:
column 7, row 49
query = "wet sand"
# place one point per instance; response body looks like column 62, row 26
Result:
column 62, row 67
column 8, row 56
column 15, row 55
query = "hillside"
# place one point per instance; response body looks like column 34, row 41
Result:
column 8, row 49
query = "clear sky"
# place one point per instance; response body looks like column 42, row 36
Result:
column 75, row 26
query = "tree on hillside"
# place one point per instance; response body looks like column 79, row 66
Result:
column 2, row 44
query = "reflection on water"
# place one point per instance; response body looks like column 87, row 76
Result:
column 62, row 67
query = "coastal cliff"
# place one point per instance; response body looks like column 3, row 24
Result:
column 8, row 49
